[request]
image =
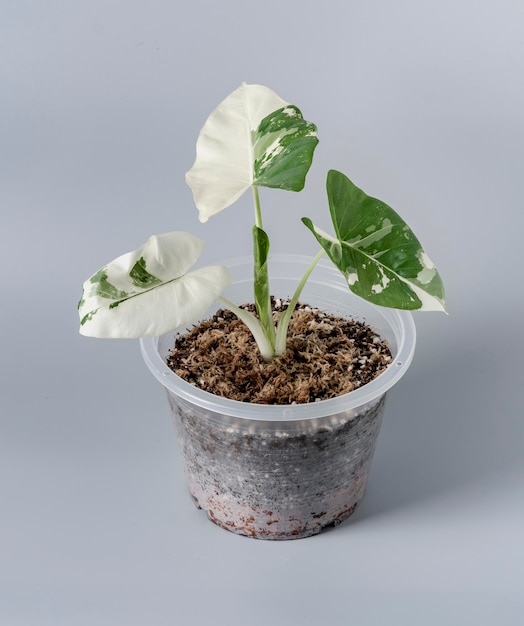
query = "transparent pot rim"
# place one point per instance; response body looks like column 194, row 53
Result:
column 405, row 334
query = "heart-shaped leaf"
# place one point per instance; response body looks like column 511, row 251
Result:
column 252, row 138
column 148, row 292
column 376, row 250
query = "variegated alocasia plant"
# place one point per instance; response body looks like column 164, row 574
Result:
column 255, row 139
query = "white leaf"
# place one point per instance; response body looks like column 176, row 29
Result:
column 223, row 168
column 148, row 292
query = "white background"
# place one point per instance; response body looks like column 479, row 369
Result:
column 421, row 104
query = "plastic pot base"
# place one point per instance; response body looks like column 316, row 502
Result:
column 278, row 482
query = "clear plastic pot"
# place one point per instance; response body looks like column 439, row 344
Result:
column 284, row 472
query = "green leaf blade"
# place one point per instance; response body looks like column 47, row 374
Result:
column 283, row 144
column 377, row 252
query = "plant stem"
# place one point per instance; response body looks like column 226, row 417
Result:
column 261, row 277
column 265, row 347
column 283, row 324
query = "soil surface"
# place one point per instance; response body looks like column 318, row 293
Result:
column 326, row 356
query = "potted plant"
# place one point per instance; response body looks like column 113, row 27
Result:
column 290, row 454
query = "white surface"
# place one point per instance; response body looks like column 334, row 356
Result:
column 420, row 103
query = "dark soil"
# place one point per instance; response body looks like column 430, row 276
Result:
column 326, row 356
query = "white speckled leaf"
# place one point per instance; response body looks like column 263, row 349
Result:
column 252, row 138
column 149, row 292
column 376, row 250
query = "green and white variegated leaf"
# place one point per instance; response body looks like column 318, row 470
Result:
column 252, row 138
column 149, row 292
column 376, row 250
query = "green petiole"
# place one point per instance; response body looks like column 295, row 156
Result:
column 283, row 324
